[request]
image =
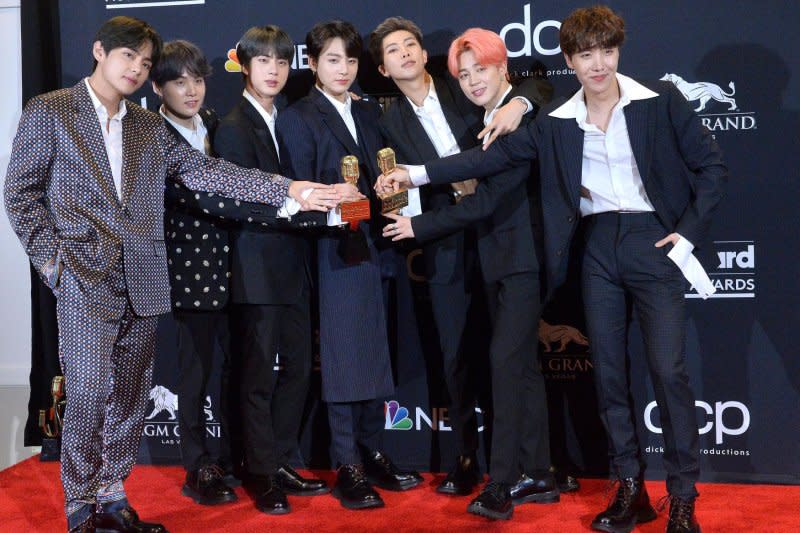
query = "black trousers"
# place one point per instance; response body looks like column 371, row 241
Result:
column 621, row 264
column 520, row 436
column 199, row 333
column 272, row 402
column 450, row 304
column 356, row 427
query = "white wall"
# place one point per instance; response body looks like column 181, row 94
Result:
column 15, row 307
column 15, row 300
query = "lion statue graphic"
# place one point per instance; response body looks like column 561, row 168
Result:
column 163, row 400
column 703, row 91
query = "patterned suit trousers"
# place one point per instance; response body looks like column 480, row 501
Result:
column 106, row 354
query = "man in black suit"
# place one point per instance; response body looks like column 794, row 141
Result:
column 199, row 293
column 270, row 287
column 501, row 210
column 634, row 161
column 196, row 230
column 434, row 119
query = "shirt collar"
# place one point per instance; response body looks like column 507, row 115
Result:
column 197, row 123
column 629, row 90
column 100, row 108
column 268, row 117
column 487, row 117
column 341, row 107
column 432, row 96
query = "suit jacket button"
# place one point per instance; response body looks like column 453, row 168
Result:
column 570, row 218
column 558, row 253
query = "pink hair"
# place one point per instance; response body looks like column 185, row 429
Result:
column 488, row 47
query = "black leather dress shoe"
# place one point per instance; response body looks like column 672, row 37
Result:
column 383, row 473
column 293, row 483
column 564, row 482
column 567, row 483
column 124, row 521
column 268, row 495
column 681, row 516
column 461, row 480
column 535, row 490
column 630, row 506
column 493, row 502
column 353, row 489
column 206, row 486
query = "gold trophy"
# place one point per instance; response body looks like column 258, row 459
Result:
column 390, row 202
column 353, row 212
column 52, row 420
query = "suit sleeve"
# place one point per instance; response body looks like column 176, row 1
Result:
column 513, row 150
column 703, row 157
column 490, row 194
column 202, row 173
column 26, row 185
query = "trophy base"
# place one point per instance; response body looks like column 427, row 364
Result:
column 392, row 203
column 51, row 450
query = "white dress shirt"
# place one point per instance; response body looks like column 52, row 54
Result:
column 196, row 136
column 112, row 135
column 489, row 115
column 610, row 179
column 269, row 118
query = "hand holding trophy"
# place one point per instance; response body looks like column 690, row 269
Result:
column 390, row 202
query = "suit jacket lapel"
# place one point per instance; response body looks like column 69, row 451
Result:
column 417, row 137
column 457, row 124
column 368, row 148
column 641, row 132
column 570, row 150
column 94, row 148
column 131, row 154
column 334, row 121
column 259, row 127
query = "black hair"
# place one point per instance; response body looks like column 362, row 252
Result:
column 128, row 32
column 264, row 41
column 390, row 25
column 177, row 57
column 323, row 32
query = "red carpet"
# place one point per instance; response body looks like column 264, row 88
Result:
column 31, row 500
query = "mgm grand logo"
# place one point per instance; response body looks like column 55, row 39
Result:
column 565, row 354
column 162, row 422
column 716, row 107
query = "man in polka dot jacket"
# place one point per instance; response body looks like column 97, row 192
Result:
column 85, row 193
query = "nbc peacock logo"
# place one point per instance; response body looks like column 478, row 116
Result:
column 232, row 63
column 396, row 416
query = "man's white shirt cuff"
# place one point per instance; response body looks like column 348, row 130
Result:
column 681, row 255
column 418, row 175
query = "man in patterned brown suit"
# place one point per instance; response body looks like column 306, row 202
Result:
column 85, row 194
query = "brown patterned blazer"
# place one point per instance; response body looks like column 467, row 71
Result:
column 62, row 203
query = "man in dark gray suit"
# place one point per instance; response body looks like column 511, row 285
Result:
column 634, row 164
column 85, row 193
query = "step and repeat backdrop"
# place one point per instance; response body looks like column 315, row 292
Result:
column 735, row 61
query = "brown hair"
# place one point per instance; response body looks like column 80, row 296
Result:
column 390, row 25
column 591, row 27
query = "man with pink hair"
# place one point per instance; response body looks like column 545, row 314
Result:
column 502, row 215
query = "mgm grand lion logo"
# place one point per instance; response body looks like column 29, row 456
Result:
column 703, row 92
column 165, row 400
